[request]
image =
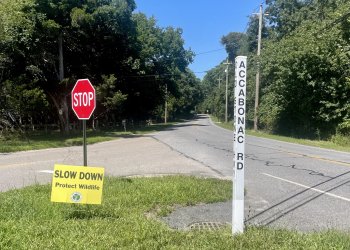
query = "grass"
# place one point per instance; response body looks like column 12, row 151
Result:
column 315, row 143
column 53, row 139
column 28, row 220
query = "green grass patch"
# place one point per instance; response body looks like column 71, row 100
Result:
column 338, row 142
column 226, row 125
column 28, row 220
column 316, row 143
column 53, row 139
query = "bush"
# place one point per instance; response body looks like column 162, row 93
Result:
column 344, row 128
column 341, row 139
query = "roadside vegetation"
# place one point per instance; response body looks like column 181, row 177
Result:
column 129, row 218
column 337, row 142
column 304, row 69
column 47, row 45
column 34, row 140
column 134, row 64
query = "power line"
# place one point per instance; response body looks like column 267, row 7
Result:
column 208, row 52
column 151, row 75
column 337, row 21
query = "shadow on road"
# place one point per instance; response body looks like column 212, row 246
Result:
column 268, row 216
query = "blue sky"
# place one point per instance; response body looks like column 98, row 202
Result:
column 203, row 22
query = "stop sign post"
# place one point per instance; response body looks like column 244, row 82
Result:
column 83, row 104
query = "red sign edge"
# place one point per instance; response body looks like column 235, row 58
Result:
column 79, row 80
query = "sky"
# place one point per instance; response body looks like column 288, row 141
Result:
column 203, row 23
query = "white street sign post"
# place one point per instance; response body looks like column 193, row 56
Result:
column 239, row 144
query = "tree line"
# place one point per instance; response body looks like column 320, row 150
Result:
column 135, row 65
column 304, row 65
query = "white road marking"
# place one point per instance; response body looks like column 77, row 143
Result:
column 46, row 171
column 307, row 187
column 24, row 164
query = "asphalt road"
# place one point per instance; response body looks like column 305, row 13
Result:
column 287, row 185
column 136, row 156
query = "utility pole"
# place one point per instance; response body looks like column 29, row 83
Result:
column 166, row 104
column 226, row 105
column 60, row 57
column 219, row 79
column 63, row 109
column 257, row 79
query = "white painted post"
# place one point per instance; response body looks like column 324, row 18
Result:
column 239, row 144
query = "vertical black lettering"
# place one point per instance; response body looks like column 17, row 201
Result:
column 241, row 83
column 241, row 111
column 241, row 93
column 242, row 73
column 242, row 65
column 241, row 120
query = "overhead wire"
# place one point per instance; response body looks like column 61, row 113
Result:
column 209, row 52
column 196, row 54
column 337, row 21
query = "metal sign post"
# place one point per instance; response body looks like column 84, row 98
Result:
column 239, row 144
column 84, row 143
column 83, row 105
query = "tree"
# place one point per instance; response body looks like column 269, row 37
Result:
column 20, row 98
column 285, row 15
column 214, row 94
column 97, row 41
column 95, row 38
column 162, row 62
column 306, row 88
column 46, row 45
column 189, row 95
column 304, row 64
column 235, row 44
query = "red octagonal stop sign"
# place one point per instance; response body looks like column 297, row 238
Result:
column 83, row 99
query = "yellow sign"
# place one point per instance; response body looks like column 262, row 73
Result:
column 77, row 184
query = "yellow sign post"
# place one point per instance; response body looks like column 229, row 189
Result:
column 77, row 184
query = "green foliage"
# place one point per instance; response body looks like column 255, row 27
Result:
column 188, row 94
column 304, row 87
column 344, row 127
column 285, row 15
column 215, row 93
column 14, row 140
column 235, row 44
column 252, row 34
column 127, row 57
column 305, row 81
column 127, row 219
column 112, row 98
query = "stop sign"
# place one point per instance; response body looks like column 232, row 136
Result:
column 83, row 99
